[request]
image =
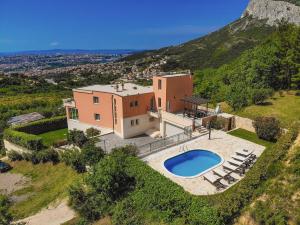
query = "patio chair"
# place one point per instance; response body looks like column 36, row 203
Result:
column 244, row 152
column 238, row 163
column 233, row 168
column 248, row 160
column 214, row 180
column 224, row 174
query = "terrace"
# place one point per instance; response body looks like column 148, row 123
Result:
column 221, row 143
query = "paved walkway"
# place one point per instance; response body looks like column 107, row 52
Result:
column 222, row 143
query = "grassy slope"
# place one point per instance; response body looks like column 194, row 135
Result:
column 48, row 183
column 215, row 49
column 50, row 137
column 250, row 136
column 286, row 109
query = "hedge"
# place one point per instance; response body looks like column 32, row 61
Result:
column 43, row 126
column 231, row 202
column 29, row 141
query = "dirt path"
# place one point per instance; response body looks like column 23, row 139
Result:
column 53, row 215
column 11, row 182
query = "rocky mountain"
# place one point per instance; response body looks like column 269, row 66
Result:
column 274, row 11
column 226, row 44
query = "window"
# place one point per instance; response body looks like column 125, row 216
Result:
column 96, row 100
column 137, row 122
column 159, row 102
column 131, row 104
column 73, row 113
column 97, row 116
column 136, row 103
column 132, row 123
column 159, row 84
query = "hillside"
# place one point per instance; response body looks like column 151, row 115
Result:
column 213, row 50
column 223, row 46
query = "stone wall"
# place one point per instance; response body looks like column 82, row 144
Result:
column 13, row 147
column 244, row 123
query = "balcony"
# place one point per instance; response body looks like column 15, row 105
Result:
column 69, row 102
column 154, row 114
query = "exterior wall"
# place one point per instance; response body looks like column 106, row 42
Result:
column 87, row 109
column 173, row 89
column 143, row 104
column 144, row 125
column 244, row 123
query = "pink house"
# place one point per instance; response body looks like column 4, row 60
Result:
column 129, row 110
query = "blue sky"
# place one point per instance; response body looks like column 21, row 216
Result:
column 110, row 24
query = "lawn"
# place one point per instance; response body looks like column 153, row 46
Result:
column 48, row 183
column 50, row 137
column 250, row 136
column 285, row 108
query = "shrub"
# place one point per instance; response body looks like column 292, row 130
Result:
column 77, row 137
column 59, row 143
column 5, row 216
column 260, row 95
column 47, row 155
column 29, row 141
column 92, row 132
column 43, row 126
column 130, row 150
column 267, row 128
column 91, row 154
column 14, row 156
column 73, row 158
column 218, row 123
column 297, row 93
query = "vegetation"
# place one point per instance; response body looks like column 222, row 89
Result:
column 47, row 183
column 77, row 137
column 249, row 79
column 54, row 137
column 250, row 136
column 283, row 105
column 267, row 128
column 5, row 216
column 213, row 50
column 133, row 193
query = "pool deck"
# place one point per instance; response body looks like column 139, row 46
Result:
column 221, row 142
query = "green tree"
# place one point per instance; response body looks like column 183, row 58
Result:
column 91, row 154
column 5, row 217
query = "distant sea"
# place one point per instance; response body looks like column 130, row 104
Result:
column 72, row 52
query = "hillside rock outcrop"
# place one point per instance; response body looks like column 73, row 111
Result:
column 273, row 11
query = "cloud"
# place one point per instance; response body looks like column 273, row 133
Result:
column 179, row 30
column 54, row 43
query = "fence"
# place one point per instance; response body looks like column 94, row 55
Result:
column 164, row 143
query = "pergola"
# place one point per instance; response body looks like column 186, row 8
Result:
column 191, row 104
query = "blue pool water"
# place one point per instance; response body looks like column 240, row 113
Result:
column 192, row 163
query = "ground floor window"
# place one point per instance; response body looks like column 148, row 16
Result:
column 97, row 116
column 73, row 113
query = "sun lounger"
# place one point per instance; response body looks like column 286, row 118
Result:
column 244, row 152
column 236, row 162
column 214, row 180
column 247, row 160
column 234, row 168
column 224, row 174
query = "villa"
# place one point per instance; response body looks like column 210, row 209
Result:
column 164, row 109
column 169, row 125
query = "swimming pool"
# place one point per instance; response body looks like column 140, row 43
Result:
column 192, row 163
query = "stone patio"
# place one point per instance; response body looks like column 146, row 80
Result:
column 221, row 142
column 110, row 141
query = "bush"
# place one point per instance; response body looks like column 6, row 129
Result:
column 47, row 155
column 297, row 93
column 77, row 137
column 129, row 150
column 5, row 216
column 14, row 156
column 91, row 154
column 73, row 158
column 267, row 128
column 43, row 126
column 29, row 141
column 92, row 132
column 218, row 123
column 260, row 95
column 59, row 143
